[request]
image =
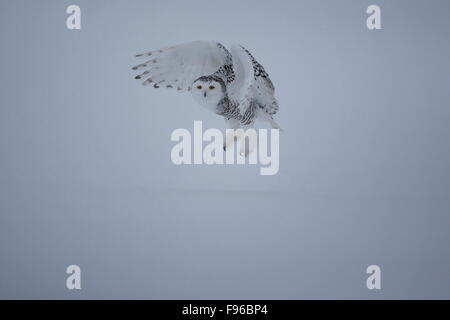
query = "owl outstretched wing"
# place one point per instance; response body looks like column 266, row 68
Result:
column 252, row 88
column 179, row 66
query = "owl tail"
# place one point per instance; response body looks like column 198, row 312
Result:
column 268, row 118
column 274, row 124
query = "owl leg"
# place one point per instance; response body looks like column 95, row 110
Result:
column 230, row 136
column 247, row 145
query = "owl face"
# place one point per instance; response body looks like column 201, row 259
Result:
column 207, row 91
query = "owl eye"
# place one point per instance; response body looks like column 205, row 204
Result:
column 211, row 87
column 199, row 87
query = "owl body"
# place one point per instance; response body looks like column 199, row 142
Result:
column 233, row 85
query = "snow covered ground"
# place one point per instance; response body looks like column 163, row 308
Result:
column 142, row 243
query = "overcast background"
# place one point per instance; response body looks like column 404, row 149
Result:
column 86, row 176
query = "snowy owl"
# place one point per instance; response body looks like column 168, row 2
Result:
column 231, row 84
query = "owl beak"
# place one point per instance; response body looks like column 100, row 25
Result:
column 204, row 94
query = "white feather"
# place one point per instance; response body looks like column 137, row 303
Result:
column 178, row 66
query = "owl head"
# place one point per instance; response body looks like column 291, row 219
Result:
column 208, row 90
